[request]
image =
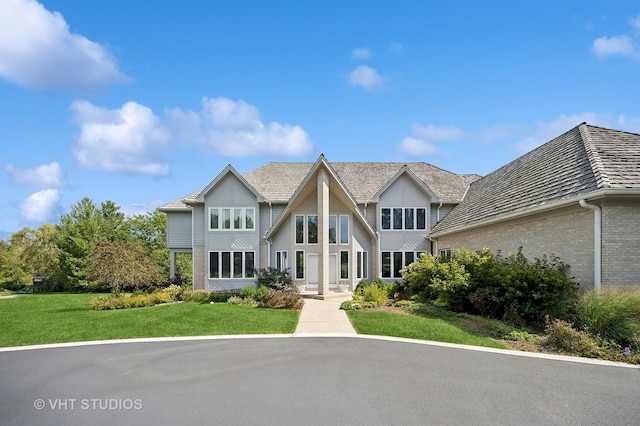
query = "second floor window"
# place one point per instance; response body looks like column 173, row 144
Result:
column 232, row 218
column 407, row 218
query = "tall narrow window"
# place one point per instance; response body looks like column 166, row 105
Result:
column 386, row 218
column 408, row 218
column 226, row 264
column 358, row 265
column 397, row 218
column 333, row 229
column 386, row 264
column 215, row 219
column 312, row 229
column 282, row 262
column 249, row 219
column 365, row 265
column 421, row 219
column 226, row 218
column 397, row 263
column 344, row 264
column 237, row 218
column 249, row 264
column 299, row 229
column 237, row 264
column 300, row 264
column 344, row 229
column 214, row 266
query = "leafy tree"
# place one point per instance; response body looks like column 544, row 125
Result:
column 150, row 231
column 121, row 265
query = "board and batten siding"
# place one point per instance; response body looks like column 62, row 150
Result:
column 179, row 230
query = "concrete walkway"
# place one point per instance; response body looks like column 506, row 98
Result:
column 324, row 317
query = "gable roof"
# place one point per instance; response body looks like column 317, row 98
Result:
column 227, row 170
column 584, row 159
column 278, row 181
column 343, row 194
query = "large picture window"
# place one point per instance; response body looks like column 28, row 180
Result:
column 238, row 218
column 408, row 218
column 231, row 264
column 393, row 261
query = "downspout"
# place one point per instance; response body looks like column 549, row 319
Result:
column 597, row 237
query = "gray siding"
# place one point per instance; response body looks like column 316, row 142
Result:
column 198, row 225
column 179, row 230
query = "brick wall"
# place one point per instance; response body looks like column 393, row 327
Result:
column 566, row 233
column 621, row 243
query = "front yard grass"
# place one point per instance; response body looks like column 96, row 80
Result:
column 32, row 319
column 397, row 324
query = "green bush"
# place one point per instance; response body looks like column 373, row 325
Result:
column 610, row 315
column 133, row 301
column 249, row 292
column 510, row 288
column 349, row 305
column 173, row 291
column 273, row 278
column 240, row 301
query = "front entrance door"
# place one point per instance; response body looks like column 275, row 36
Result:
column 312, row 269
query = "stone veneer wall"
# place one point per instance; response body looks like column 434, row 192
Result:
column 566, row 233
column 198, row 267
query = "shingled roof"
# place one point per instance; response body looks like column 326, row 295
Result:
column 585, row 159
column 278, row 181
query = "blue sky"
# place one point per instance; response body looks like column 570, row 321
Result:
column 141, row 103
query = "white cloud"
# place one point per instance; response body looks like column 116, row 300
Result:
column 365, row 77
column 124, row 140
column 361, row 53
column 616, row 45
column 396, row 47
column 37, row 51
column 621, row 45
column 41, row 206
column 418, row 147
column 545, row 131
column 234, row 128
column 44, row 176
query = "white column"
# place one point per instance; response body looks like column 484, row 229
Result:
column 323, row 232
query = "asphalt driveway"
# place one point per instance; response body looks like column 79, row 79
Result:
column 307, row 380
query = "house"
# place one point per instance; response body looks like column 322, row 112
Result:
column 329, row 224
column 576, row 197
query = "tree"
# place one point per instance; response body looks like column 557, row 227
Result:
column 121, row 265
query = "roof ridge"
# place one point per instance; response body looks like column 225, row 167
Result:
column 597, row 166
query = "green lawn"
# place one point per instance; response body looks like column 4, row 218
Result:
column 53, row 318
column 417, row 327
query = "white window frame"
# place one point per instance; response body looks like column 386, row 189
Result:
column 232, row 210
column 392, row 253
column 282, row 260
column 303, row 264
column 403, row 215
column 232, row 272
column 348, row 235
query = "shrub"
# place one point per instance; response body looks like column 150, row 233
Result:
column 273, row 278
column 349, row 305
column 173, row 291
column 610, row 315
column 240, row 301
column 249, row 292
column 562, row 336
column 196, row 296
column 282, row 299
column 133, row 301
column 375, row 294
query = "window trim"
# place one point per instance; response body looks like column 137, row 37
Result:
column 392, row 261
column 344, row 270
column 232, row 255
column 388, row 219
column 300, row 269
column 282, row 260
column 220, row 211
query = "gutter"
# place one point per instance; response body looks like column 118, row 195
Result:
column 597, row 241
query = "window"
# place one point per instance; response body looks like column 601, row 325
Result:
column 361, row 265
column 386, row 264
column 312, row 229
column 397, row 218
column 445, row 253
column 344, row 264
column 221, row 218
column 299, row 264
column 333, row 229
column 228, row 264
column 421, row 219
column 299, row 229
column 386, row 218
column 403, row 218
column 365, row 264
column 282, row 261
column 408, row 218
column 344, row 229
column 394, row 261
